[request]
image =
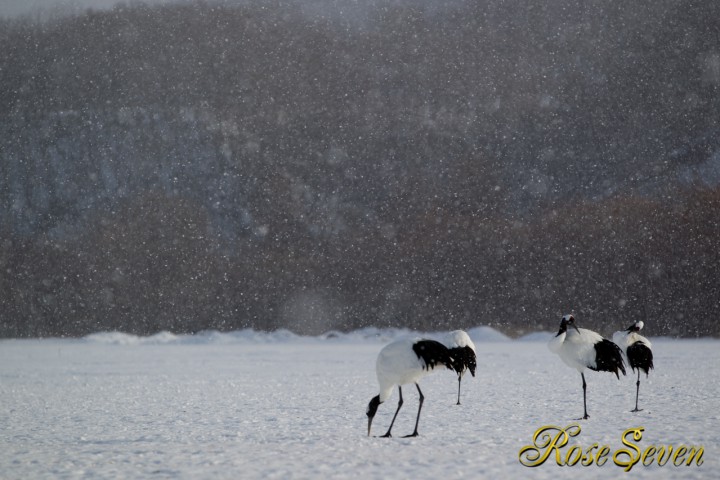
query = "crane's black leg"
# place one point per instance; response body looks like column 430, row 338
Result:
column 586, row 416
column 637, row 394
column 400, row 402
column 417, row 420
column 459, row 379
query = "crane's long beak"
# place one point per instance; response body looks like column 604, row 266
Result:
column 576, row 328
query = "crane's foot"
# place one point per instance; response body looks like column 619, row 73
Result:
column 414, row 434
column 636, row 410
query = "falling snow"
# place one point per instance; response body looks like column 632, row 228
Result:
column 186, row 187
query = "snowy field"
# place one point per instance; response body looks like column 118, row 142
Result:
column 251, row 405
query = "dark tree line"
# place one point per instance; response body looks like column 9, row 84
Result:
column 195, row 166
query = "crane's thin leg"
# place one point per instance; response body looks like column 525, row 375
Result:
column 459, row 379
column 400, row 402
column 637, row 394
column 417, row 420
column 586, row 416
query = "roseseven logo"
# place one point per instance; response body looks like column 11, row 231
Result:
column 552, row 439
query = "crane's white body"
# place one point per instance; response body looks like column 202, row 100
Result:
column 397, row 364
column 459, row 338
column 576, row 348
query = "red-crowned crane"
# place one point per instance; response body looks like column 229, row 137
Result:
column 638, row 352
column 462, row 350
column 402, row 362
column 580, row 349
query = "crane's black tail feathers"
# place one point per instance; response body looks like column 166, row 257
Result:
column 433, row 353
column 640, row 357
column 608, row 358
column 463, row 358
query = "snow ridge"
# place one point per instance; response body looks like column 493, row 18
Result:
column 368, row 334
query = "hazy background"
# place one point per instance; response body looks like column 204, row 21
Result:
column 44, row 8
column 332, row 165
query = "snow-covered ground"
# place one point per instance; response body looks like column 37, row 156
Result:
column 253, row 405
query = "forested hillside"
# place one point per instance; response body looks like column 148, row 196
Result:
column 196, row 166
